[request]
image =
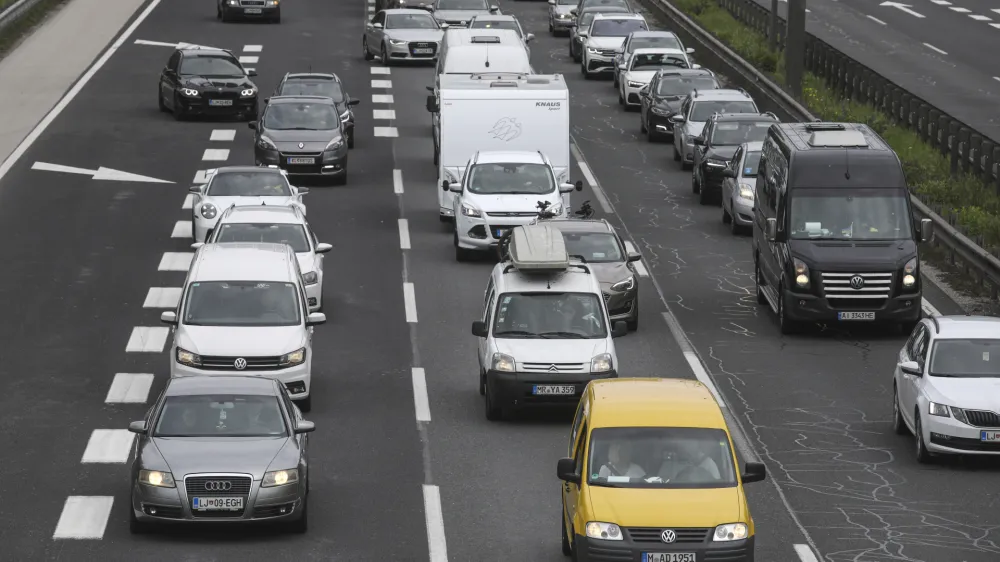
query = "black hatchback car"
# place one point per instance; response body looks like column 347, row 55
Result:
column 207, row 82
column 722, row 135
column 326, row 85
column 663, row 97
column 302, row 135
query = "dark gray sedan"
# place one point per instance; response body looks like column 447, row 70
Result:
column 221, row 449
column 302, row 135
column 322, row 84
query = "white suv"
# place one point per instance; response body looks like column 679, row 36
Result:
column 604, row 39
column 243, row 310
column 697, row 109
column 502, row 190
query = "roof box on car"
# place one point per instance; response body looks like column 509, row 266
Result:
column 538, row 248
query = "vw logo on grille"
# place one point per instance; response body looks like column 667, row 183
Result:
column 240, row 364
column 218, row 485
column 553, row 368
column 668, row 536
column 302, row 145
column 857, row 282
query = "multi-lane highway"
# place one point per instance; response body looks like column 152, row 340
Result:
column 404, row 465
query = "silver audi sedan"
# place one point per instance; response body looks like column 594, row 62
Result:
column 402, row 35
column 221, row 449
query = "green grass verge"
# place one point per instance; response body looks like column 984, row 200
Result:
column 12, row 34
column 975, row 208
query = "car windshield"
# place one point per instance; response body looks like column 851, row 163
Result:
column 616, row 27
column 603, row 4
column 498, row 24
column 593, row 247
column 654, row 42
column 210, row 65
column 303, row 116
column 738, row 132
column 677, row 86
column 292, row 234
column 462, row 5
column 660, row 457
column 248, row 184
column 231, row 415
column 750, row 164
column 703, row 110
column 549, row 316
column 567, row 2
column 502, row 178
column 326, row 88
column 966, row 358
column 653, row 61
column 869, row 214
column 241, row 303
column 410, row 21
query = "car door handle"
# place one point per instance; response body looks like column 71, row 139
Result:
column 567, row 488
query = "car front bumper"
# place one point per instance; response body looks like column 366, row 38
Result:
column 712, row 179
column 261, row 11
column 594, row 550
column 623, row 306
column 659, row 124
column 562, row 24
column 202, row 105
column 484, row 233
column 742, row 211
column 631, row 96
column 329, row 163
column 152, row 504
column 516, row 389
column 411, row 50
column 950, row 436
column 600, row 64
column 297, row 379
column 805, row 307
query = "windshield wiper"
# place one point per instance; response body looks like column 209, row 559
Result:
column 515, row 333
column 567, row 335
column 290, row 128
column 606, row 485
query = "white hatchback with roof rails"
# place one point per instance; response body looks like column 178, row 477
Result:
column 545, row 332
column 697, row 109
column 243, row 311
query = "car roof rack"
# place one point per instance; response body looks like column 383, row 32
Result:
column 485, row 39
column 537, row 249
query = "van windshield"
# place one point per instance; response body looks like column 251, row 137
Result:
column 241, row 303
column 856, row 214
column 660, row 457
column 550, row 315
column 463, row 5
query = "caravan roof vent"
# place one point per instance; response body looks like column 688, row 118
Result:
column 820, row 126
column 485, row 39
column 837, row 139
column 538, row 248
column 502, row 84
column 538, row 80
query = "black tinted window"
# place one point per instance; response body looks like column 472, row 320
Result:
column 301, row 116
column 221, row 416
column 248, row 184
column 241, row 303
column 220, row 65
column 966, row 358
column 616, row 28
column 327, row 88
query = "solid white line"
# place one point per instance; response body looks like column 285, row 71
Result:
column 932, row 47
column 397, row 182
column 201, row 176
column 84, row 517
column 74, row 91
column 108, row 446
column 182, row 229
column 176, row 261
column 383, row 113
column 382, row 98
column 386, row 132
column 147, row 339
column 223, row 135
column 129, row 388
column 434, row 517
column 188, row 201
column 410, row 302
column 960, row 10
column 640, row 268
column 250, row 68
column 997, row 10
column 602, row 199
column 978, row 17
column 162, row 297
column 216, row 154
column 805, row 553
column 929, row 308
column 381, row 83
column 875, row 19
column 404, row 234
column 421, row 404
column 252, row 48
column 249, row 60
column 380, row 70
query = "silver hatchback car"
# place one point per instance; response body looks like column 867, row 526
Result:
column 738, row 187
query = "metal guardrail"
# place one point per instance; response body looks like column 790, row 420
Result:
column 15, row 11
column 855, row 80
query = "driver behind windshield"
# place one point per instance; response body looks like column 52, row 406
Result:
column 732, row 134
column 619, row 462
column 687, row 460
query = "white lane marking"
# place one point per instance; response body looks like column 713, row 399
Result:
column 372, row 2
column 997, row 78
column 223, row 135
column 216, row 154
column 875, row 19
column 996, row 25
column 397, row 182
column 248, row 59
column 176, row 261
column 929, row 308
column 85, row 517
column 421, row 405
column 805, row 553
column 978, row 17
column 997, row 10
column 382, row 98
column 942, row 2
column 201, row 176
column 640, row 268
column 182, row 229
column 384, row 113
column 434, row 518
column 959, row 10
column 188, row 201
column 381, row 70
column 602, row 199
column 129, row 388
column 100, row 174
column 162, row 297
column 252, row 48
column 902, row 8
column 386, row 132
column 933, row 48
column 147, row 339
column 74, row 91
column 108, row 446
column 250, row 68
column 381, row 83
column 410, row 302
column 404, row 234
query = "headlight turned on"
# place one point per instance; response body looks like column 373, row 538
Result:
column 503, row 362
column 910, row 273
column 185, row 357
column 156, row 478
column 280, row 478
column 625, row 285
column 801, row 273
column 601, row 363
column 296, row 357
column 604, row 531
column 730, row 532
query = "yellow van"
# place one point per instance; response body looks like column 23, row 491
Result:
column 651, row 477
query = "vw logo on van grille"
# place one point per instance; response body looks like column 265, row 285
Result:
column 668, row 536
column 218, row 485
column 240, row 364
column 857, row 282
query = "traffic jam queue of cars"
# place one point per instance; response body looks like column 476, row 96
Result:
column 651, row 472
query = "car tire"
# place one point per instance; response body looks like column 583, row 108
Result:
column 761, row 298
column 461, row 254
column 482, row 382
column 306, row 404
column 703, row 197
column 364, row 49
column 135, row 526
column 385, row 57
column 677, row 155
column 552, row 30
column 567, row 548
column 633, row 324
column 276, row 18
column 350, row 139
column 695, row 186
column 734, row 227
column 906, row 328
column 923, row 455
column 159, row 101
column 788, row 327
column 178, row 110
column 492, row 411
column 342, row 178
column 685, row 165
column 898, row 423
column 301, row 525
column 726, row 217
column 642, row 123
column 218, row 10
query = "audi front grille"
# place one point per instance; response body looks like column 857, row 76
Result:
column 239, row 487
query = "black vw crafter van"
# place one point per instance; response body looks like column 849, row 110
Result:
column 833, row 235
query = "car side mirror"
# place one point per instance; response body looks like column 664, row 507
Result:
column 445, row 185
column 619, row 329
column 252, row 125
column 677, row 119
column 567, row 188
column 168, row 317
column 138, row 427
column 323, row 248
column 566, row 471
column 772, row 230
column 432, row 104
column 494, row 8
column 573, row 11
column 634, row 256
column 695, row 66
column 455, row 187
column 266, row 100
column 753, row 472
column 552, row 2
column 197, row 245
column 529, row 37
column 911, row 368
column 443, row 25
column 251, row 73
column 926, row 229
column 689, row 50
column 353, row 102
column 578, row 185
column 195, row 189
column 304, row 426
column 377, row 26
column 315, row 319
column 729, row 173
column 699, row 141
column 479, row 329
column 301, row 190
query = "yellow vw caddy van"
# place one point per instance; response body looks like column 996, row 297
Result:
column 651, row 477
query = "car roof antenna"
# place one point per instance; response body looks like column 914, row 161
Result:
column 487, row 55
column 847, row 164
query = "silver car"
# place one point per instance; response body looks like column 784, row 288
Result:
column 457, row 13
column 221, row 449
column 560, row 16
column 402, row 35
column 502, row 21
column 739, row 185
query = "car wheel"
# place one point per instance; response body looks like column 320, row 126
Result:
column 695, row 186
column 305, row 404
column 385, row 57
column 301, row 525
column 761, row 298
column 633, row 324
column 135, row 526
column 218, row 11
column 276, row 18
column 642, row 123
column 552, row 30
column 898, row 424
column 788, row 326
column 906, row 328
column 341, row 179
column 703, row 197
column 685, row 165
column 923, row 455
column 734, row 227
column 677, row 154
column 364, row 49
column 621, row 100
column 178, row 110
column 350, row 139
column 482, row 382
column 461, row 254
column 726, row 217
column 567, row 549
column 159, row 101
column 493, row 412
column 226, row 17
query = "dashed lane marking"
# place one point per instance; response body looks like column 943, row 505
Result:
column 386, row 132
column 381, row 70
column 108, row 446
column 978, row 17
column 201, row 176
column 640, row 268
column 929, row 308
column 875, row 19
column 129, row 388
column 933, row 48
column 162, row 297
column 410, row 302
column 147, row 339
column 421, row 404
column 188, row 201
column 397, row 182
column 223, row 135
column 959, row 10
column 404, row 234
column 805, row 553
column 384, row 114
column 252, row 48
column 216, row 154
column 995, row 25
column 249, row 59
column 84, row 517
column 176, row 261
column 382, row 98
column 182, row 229
column 942, row 2
column 382, row 84
column 434, row 518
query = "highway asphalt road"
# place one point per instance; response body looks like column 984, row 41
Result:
column 816, row 408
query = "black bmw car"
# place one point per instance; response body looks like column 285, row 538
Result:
column 322, row 84
column 302, row 135
column 229, row 10
column 207, row 82
column 664, row 95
